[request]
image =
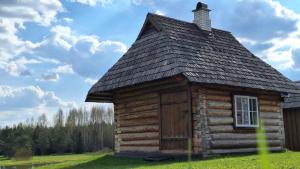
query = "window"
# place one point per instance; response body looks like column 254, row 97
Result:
column 246, row 111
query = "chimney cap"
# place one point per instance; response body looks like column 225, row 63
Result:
column 200, row 6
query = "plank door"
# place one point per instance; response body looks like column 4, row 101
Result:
column 292, row 128
column 174, row 121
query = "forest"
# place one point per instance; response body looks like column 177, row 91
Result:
column 77, row 132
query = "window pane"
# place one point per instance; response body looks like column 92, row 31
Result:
column 253, row 106
column 239, row 117
column 254, row 111
column 245, row 115
column 238, row 103
column 254, row 118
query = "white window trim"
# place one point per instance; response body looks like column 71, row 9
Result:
column 235, row 113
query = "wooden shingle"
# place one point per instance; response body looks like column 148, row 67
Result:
column 167, row 47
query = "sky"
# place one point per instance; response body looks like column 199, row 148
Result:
column 52, row 52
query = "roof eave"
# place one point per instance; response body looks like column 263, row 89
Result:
column 102, row 97
column 291, row 91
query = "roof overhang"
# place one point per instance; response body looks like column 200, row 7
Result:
column 102, row 97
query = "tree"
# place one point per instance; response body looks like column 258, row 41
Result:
column 41, row 142
column 59, row 119
column 42, row 120
column 81, row 131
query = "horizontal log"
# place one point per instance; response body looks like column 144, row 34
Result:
column 123, row 99
column 139, row 109
column 230, row 128
column 139, row 148
column 137, row 103
column 273, row 128
column 269, row 102
column 139, row 136
column 272, row 122
column 241, row 143
column 270, row 109
column 218, row 98
column 138, row 129
column 270, row 97
column 220, row 120
column 242, row 136
column 137, row 122
column 219, row 105
column 241, row 150
column 270, row 115
column 140, row 143
column 217, row 92
column 143, row 114
column 225, row 128
column 219, row 112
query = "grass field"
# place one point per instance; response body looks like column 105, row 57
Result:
column 105, row 160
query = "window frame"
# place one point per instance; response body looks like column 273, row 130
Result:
column 248, row 97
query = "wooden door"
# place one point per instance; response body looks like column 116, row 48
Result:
column 174, row 121
column 292, row 128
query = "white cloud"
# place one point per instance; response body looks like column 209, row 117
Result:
column 281, row 53
column 159, row 12
column 66, row 69
column 137, row 2
column 93, row 2
column 266, row 27
column 105, row 3
column 18, row 66
column 49, row 77
column 13, row 15
column 44, row 13
column 78, row 51
column 41, row 11
column 48, row 60
column 68, row 20
column 53, row 75
column 64, row 37
column 90, row 81
column 21, row 103
column 14, row 98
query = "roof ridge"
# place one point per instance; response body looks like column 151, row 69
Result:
column 178, row 20
column 166, row 17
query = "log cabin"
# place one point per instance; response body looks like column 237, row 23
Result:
column 291, row 116
column 185, row 87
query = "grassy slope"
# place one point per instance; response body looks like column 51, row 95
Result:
column 286, row 160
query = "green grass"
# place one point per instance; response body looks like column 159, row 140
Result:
column 105, row 160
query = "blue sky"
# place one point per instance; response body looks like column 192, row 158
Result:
column 51, row 52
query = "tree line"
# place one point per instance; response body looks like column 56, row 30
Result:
column 80, row 131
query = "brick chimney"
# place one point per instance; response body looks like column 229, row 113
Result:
column 201, row 16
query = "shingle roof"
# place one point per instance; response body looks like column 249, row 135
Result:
column 167, row 47
column 293, row 101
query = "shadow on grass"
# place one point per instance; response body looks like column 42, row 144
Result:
column 112, row 162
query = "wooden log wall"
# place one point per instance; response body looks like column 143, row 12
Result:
column 214, row 131
column 137, row 122
column 137, row 116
